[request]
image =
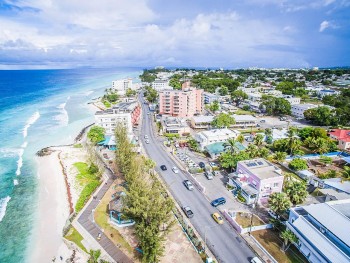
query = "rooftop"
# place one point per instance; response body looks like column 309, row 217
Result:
column 261, row 168
column 202, row 119
column 120, row 108
column 338, row 184
column 304, row 106
column 219, row 132
column 244, row 118
column 341, row 134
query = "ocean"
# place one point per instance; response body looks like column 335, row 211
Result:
column 38, row 108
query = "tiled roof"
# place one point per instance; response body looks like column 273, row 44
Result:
column 343, row 135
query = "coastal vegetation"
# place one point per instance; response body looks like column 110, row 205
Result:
column 89, row 178
column 74, row 236
column 145, row 199
column 96, row 134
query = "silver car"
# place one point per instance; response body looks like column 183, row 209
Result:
column 188, row 184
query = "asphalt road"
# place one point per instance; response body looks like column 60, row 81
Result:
column 222, row 240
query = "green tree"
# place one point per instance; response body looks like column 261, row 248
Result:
column 259, row 140
column 151, row 95
column 298, row 164
column 305, row 132
column 296, row 191
column 288, row 238
column 130, row 93
column 346, row 172
column 193, row 144
column 238, row 96
column 252, row 150
column 96, row 134
column 230, row 145
column 229, row 161
column 223, row 91
column 223, row 120
column 175, row 81
column 263, row 152
column 94, row 256
column 240, row 138
column 280, row 156
column 321, row 115
column 214, row 106
column 279, row 203
column 325, row 159
column 275, row 106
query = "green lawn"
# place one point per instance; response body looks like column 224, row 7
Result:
column 78, row 145
column 243, row 112
column 74, row 236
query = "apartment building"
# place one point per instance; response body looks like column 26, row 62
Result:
column 291, row 99
column 322, row 231
column 121, row 85
column 206, row 138
column 299, row 109
column 342, row 137
column 210, row 97
column 256, row 180
column 127, row 113
column 181, row 103
column 161, row 84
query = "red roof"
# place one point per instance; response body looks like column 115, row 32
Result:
column 343, row 135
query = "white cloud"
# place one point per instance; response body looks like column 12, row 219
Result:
column 327, row 24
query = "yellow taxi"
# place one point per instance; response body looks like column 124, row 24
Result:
column 218, row 218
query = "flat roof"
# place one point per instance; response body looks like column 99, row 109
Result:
column 304, row 106
column 219, row 132
column 202, row 118
column 323, row 244
column 244, row 117
column 337, row 183
column 261, row 168
column 332, row 219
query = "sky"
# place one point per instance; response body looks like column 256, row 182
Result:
column 176, row 33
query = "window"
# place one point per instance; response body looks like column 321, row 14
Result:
column 275, row 185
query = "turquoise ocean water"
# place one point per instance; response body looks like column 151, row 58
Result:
column 38, row 108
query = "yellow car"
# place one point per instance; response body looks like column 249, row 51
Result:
column 218, row 218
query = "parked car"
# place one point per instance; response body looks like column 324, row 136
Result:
column 217, row 217
column 272, row 214
column 212, row 164
column 99, row 236
column 218, row 201
column 175, row 170
column 163, row 167
column 201, row 165
column 262, row 121
column 146, row 136
column 255, row 260
column 188, row 185
column 187, row 210
column 208, row 175
column 147, row 141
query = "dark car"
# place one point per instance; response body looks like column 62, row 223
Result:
column 187, row 210
column 218, row 201
column 163, row 167
column 201, row 165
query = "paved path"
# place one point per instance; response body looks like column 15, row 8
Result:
column 85, row 219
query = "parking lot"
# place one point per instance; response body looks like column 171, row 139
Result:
column 271, row 122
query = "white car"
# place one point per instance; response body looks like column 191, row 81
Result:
column 175, row 170
column 146, row 136
column 147, row 141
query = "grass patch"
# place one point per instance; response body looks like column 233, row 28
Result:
column 250, row 130
column 89, row 178
column 270, row 240
column 107, row 104
column 101, row 218
column 244, row 219
column 74, row 236
column 243, row 112
column 78, row 145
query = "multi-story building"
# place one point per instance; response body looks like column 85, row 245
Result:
column 201, row 122
column 244, row 121
column 121, row 85
column 181, row 103
column 322, row 231
column 256, row 180
column 291, row 99
column 299, row 109
column 206, row 138
column 342, row 136
column 210, row 97
column 127, row 113
column 175, row 125
column 161, row 84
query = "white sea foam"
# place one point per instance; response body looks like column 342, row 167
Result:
column 24, row 145
column 30, row 122
column 3, row 205
column 19, row 161
column 15, row 182
column 62, row 117
column 89, row 93
column 8, row 152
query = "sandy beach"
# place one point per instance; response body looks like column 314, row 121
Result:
column 53, row 206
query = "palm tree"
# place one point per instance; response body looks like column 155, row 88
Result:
column 279, row 202
column 294, row 144
column 288, row 238
column 259, row 140
column 279, row 156
column 252, row 151
column 268, row 132
column 94, row 255
column 296, row 191
column 230, row 145
column 240, row 138
column 264, row 152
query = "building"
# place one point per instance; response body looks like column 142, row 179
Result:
column 299, row 109
column 206, row 138
column 127, row 113
column 209, row 97
column 322, row 231
column 244, row 121
column 201, row 121
column 181, row 103
column 292, row 100
column 121, row 85
column 255, row 180
column 215, row 149
column 342, row 136
column 174, row 125
column 161, row 84
column 255, row 97
column 326, row 92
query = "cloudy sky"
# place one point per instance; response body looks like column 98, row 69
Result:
column 188, row 33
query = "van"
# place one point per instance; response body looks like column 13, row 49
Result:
column 255, row 260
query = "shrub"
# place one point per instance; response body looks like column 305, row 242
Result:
column 96, row 134
column 298, row 164
column 172, row 135
column 85, row 194
column 93, row 169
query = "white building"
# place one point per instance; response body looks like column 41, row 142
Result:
column 255, row 97
column 299, row 109
column 121, row 85
column 209, row 97
column 161, row 84
column 244, row 121
column 126, row 113
column 322, row 231
column 292, row 100
column 205, row 138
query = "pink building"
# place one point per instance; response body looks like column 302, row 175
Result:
column 256, row 179
column 181, row 103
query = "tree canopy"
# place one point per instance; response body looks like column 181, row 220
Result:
column 298, row 164
column 96, row 134
column 238, row 96
column 223, row 120
column 275, row 106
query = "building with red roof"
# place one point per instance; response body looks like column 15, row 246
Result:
column 342, row 136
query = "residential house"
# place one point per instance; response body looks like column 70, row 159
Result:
column 299, row 109
column 322, row 231
column 127, row 113
column 244, row 121
column 205, row 138
column 256, row 180
column 342, row 136
column 174, row 125
column 209, row 97
column 201, row 121
column 181, row 103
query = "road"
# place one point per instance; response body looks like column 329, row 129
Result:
column 85, row 219
column 222, row 240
